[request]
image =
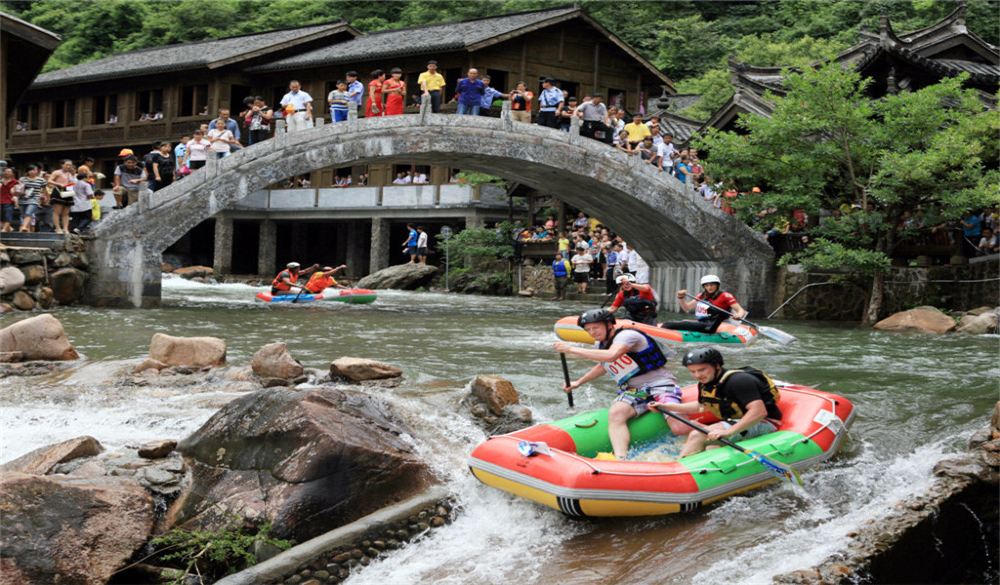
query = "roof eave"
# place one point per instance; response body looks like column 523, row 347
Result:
column 32, row 33
column 631, row 52
column 334, row 29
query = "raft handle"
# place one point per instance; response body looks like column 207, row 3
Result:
column 592, row 423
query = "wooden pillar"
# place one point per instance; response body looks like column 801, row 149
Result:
column 222, row 257
column 638, row 93
column 562, row 43
column 267, row 248
column 561, row 215
column 597, row 66
column 524, row 63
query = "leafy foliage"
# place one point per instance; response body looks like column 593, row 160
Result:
column 213, row 555
column 472, row 247
column 475, row 178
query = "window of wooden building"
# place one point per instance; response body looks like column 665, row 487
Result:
column 27, row 117
column 617, row 98
column 148, row 103
column 194, row 100
column 63, row 113
column 105, row 106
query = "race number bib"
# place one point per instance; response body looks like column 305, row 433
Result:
column 701, row 310
column 621, row 369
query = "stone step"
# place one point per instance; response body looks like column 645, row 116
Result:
column 33, row 240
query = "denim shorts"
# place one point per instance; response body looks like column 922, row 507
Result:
column 7, row 212
column 29, row 210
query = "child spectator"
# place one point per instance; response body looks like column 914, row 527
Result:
column 338, row 100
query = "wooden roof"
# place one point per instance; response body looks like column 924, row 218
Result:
column 28, row 48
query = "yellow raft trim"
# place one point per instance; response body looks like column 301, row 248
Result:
column 574, row 335
column 596, row 508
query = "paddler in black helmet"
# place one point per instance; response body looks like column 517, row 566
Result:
column 286, row 281
column 745, row 400
column 706, row 307
column 638, row 366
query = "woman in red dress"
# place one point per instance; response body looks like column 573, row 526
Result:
column 394, row 90
column 374, row 108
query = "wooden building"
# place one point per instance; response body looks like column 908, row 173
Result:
column 895, row 62
column 94, row 109
column 24, row 48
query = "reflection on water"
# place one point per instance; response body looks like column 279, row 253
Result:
column 917, row 398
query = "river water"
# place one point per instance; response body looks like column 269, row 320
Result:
column 918, row 398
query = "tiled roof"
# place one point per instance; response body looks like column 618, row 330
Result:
column 420, row 40
column 183, row 56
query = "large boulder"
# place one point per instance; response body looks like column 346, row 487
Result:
column 68, row 285
column 11, row 279
column 33, row 273
column 38, row 338
column 407, row 276
column 921, row 319
column 496, row 392
column 72, row 530
column 190, row 272
column 23, row 301
column 362, row 369
column 274, row 361
column 42, row 460
column 306, row 460
column 187, row 351
column 978, row 324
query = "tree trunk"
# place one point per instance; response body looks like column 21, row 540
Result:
column 875, row 300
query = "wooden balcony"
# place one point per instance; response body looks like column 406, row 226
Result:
column 103, row 135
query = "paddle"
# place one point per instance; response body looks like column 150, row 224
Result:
column 770, row 332
column 774, row 467
column 301, row 290
column 569, row 395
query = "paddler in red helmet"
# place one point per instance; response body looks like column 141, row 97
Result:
column 285, row 282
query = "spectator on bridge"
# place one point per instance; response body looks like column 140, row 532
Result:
column 683, row 170
column 355, row 91
column 394, row 90
column 490, row 94
column 258, row 121
column 8, row 184
column 180, row 153
column 197, row 151
column 32, row 197
column 339, row 99
column 637, row 131
column 595, row 120
column 469, row 93
column 297, row 106
column 622, row 143
column 162, row 167
column 550, row 104
column 373, row 108
column 129, row 180
column 566, row 114
column 222, row 139
column 988, row 244
column 229, row 124
column 431, row 84
column 520, row 103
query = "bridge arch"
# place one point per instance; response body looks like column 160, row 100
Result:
column 673, row 228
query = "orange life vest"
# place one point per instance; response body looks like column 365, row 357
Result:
column 279, row 284
column 318, row 282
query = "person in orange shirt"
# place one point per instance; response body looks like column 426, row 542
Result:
column 323, row 279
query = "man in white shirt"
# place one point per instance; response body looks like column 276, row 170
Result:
column 581, row 268
column 421, row 244
column 297, row 107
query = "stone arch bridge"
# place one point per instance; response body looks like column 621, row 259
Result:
column 679, row 234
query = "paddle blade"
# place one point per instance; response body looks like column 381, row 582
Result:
column 777, row 469
column 777, row 335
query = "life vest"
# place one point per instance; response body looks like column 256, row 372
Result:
column 638, row 303
column 705, row 307
column 278, row 282
column 634, row 363
column 559, row 268
column 318, row 282
column 722, row 408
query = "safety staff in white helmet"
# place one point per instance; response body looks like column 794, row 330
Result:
column 706, row 307
column 638, row 299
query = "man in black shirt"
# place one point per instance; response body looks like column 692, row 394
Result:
column 744, row 401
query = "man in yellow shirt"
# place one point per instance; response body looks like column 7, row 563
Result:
column 431, row 82
column 637, row 131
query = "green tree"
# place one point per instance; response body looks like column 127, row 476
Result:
column 828, row 144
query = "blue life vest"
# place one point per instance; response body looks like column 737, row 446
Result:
column 559, row 268
column 647, row 360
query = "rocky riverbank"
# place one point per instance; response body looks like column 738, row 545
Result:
column 42, row 278
column 950, row 534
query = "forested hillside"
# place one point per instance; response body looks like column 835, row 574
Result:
column 690, row 41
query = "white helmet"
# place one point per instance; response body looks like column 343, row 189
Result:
column 292, row 265
column 625, row 278
column 710, row 279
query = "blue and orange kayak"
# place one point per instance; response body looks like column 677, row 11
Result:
column 354, row 296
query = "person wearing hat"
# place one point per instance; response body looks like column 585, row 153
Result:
column 550, row 104
column 130, row 177
column 638, row 299
column 431, row 83
column 706, row 307
column 637, row 365
column 285, row 282
column 323, row 279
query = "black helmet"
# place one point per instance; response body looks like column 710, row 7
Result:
column 596, row 316
column 702, row 355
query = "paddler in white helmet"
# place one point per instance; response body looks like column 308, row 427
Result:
column 285, row 282
column 705, row 306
